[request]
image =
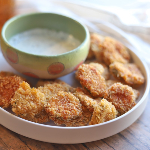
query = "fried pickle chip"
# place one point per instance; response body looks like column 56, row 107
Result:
column 65, row 85
column 136, row 94
column 98, row 66
column 110, row 55
column 43, row 82
column 95, row 50
column 80, row 121
column 128, row 73
column 121, row 96
column 102, row 68
column 28, row 103
column 109, row 50
column 7, row 73
column 8, row 86
column 103, row 112
column 50, row 89
column 111, row 82
column 56, row 84
column 91, row 80
column 118, row 46
column 62, row 107
column 86, row 100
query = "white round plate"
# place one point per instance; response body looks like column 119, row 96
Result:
column 49, row 132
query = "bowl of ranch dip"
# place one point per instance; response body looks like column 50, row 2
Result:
column 44, row 45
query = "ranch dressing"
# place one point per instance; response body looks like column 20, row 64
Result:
column 41, row 41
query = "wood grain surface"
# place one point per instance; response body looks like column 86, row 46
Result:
column 135, row 137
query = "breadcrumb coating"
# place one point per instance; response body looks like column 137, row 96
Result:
column 110, row 55
column 8, row 86
column 91, row 80
column 136, row 93
column 50, row 89
column 28, row 103
column 97, row 66
column 65, row 85
column 42, row 82
column 86, row 100
column 118, row 46
column 108, row 50
column 128, row 73
column 111, row 82
column 121, row 96
column 80, row 121
column 103, row 112
column 96, row 40
column 102, row 68
column 62, row 107
column 6, row 73
column 56, row 85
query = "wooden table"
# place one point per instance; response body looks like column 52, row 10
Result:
column 137, row 136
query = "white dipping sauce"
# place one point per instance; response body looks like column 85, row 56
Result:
column 44, row 42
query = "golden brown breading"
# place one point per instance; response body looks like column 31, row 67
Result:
column 118, row 46
column 121, row 96
column 54, row 88
column 102, row 68
column 28, row 103
column 91, row 80
column 6, row 73
column 97, row 66
column 109, row 50
column 110, row 55
column 65, row 85
column 62, row 107
column 8, row 86
column 136, row 94
column 128, row 73
column 103, row 112
column 42, row 82
column 106, row 73
column 96, row 40
column 86, row 100
column 111, row 82
column 57, row 84
column 80, row 121
column 47, row 90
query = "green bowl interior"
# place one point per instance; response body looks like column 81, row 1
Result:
column 43, row 20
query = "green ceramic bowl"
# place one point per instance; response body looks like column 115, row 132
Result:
column 44, row 66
